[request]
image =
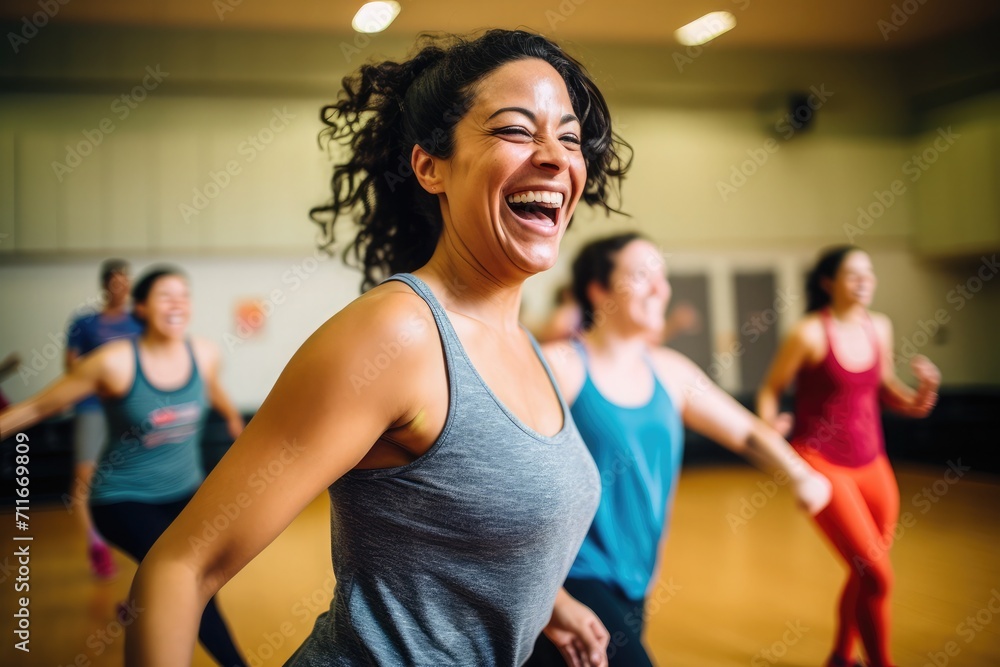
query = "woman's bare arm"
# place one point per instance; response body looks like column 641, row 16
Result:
column 896, row 395
column 217, row 395
column 76, row 385
column 792, row 354
column 317, row 423
column 710, row 411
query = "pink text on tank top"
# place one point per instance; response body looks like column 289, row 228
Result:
column 837, row 411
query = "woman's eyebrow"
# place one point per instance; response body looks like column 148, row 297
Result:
column 568, row 118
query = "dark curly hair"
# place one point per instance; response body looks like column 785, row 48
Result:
column 596, row 262
column 386, row 108
column 825, row 269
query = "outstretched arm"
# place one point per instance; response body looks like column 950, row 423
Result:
column 68, row 390
column 896, row 395
column 715, row 414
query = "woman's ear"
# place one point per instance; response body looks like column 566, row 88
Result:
column 428, row 170
column 597, row 294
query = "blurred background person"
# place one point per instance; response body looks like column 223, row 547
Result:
column 840, row 356
column 155, row 389
column 631, row 403
column 87, row 332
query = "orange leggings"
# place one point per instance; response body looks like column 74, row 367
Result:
column 859, row 522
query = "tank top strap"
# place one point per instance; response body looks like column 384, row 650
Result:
column 449, row 339
column 581, row 349
column 140, row 375
column 658, row 386
column 548, row 371
column 869, row 326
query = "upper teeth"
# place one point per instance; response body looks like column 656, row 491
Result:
column 537, row 197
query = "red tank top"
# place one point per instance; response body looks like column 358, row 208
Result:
column 837, row 412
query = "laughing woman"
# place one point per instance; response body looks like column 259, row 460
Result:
column 155, row 390
column 460, row 487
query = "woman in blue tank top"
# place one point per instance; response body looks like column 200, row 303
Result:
column 460, row 488
column 155, row 390
column 631, row 401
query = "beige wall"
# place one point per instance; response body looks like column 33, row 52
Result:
column 690, row 128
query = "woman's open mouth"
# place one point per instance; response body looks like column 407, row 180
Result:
column 536, row 206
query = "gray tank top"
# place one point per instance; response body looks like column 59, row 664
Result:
column 456, row 558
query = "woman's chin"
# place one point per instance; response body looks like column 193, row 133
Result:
column 536, row 257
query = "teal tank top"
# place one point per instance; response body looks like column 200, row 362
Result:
column 638, row 453
column 152, row 454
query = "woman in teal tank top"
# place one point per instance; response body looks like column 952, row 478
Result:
column 631, row 401
column 155, row 390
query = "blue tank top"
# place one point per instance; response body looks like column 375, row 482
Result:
column 153, row 453
column 638, row 452
column 455, row 559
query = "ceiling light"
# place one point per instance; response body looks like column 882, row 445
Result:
column 375, row 16
column 705, row 29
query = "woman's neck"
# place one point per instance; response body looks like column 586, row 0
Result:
column 156, row 342
column 611, row 341
column 465, row 286
column 851, row 313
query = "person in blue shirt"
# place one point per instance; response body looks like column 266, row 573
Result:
column 631, row 400
column 88, row 331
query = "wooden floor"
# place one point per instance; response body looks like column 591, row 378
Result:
column 756, row 593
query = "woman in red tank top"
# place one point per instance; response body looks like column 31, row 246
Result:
column 840, row 356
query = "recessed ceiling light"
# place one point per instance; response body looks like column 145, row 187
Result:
column 375, row 16
column 705, row 29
